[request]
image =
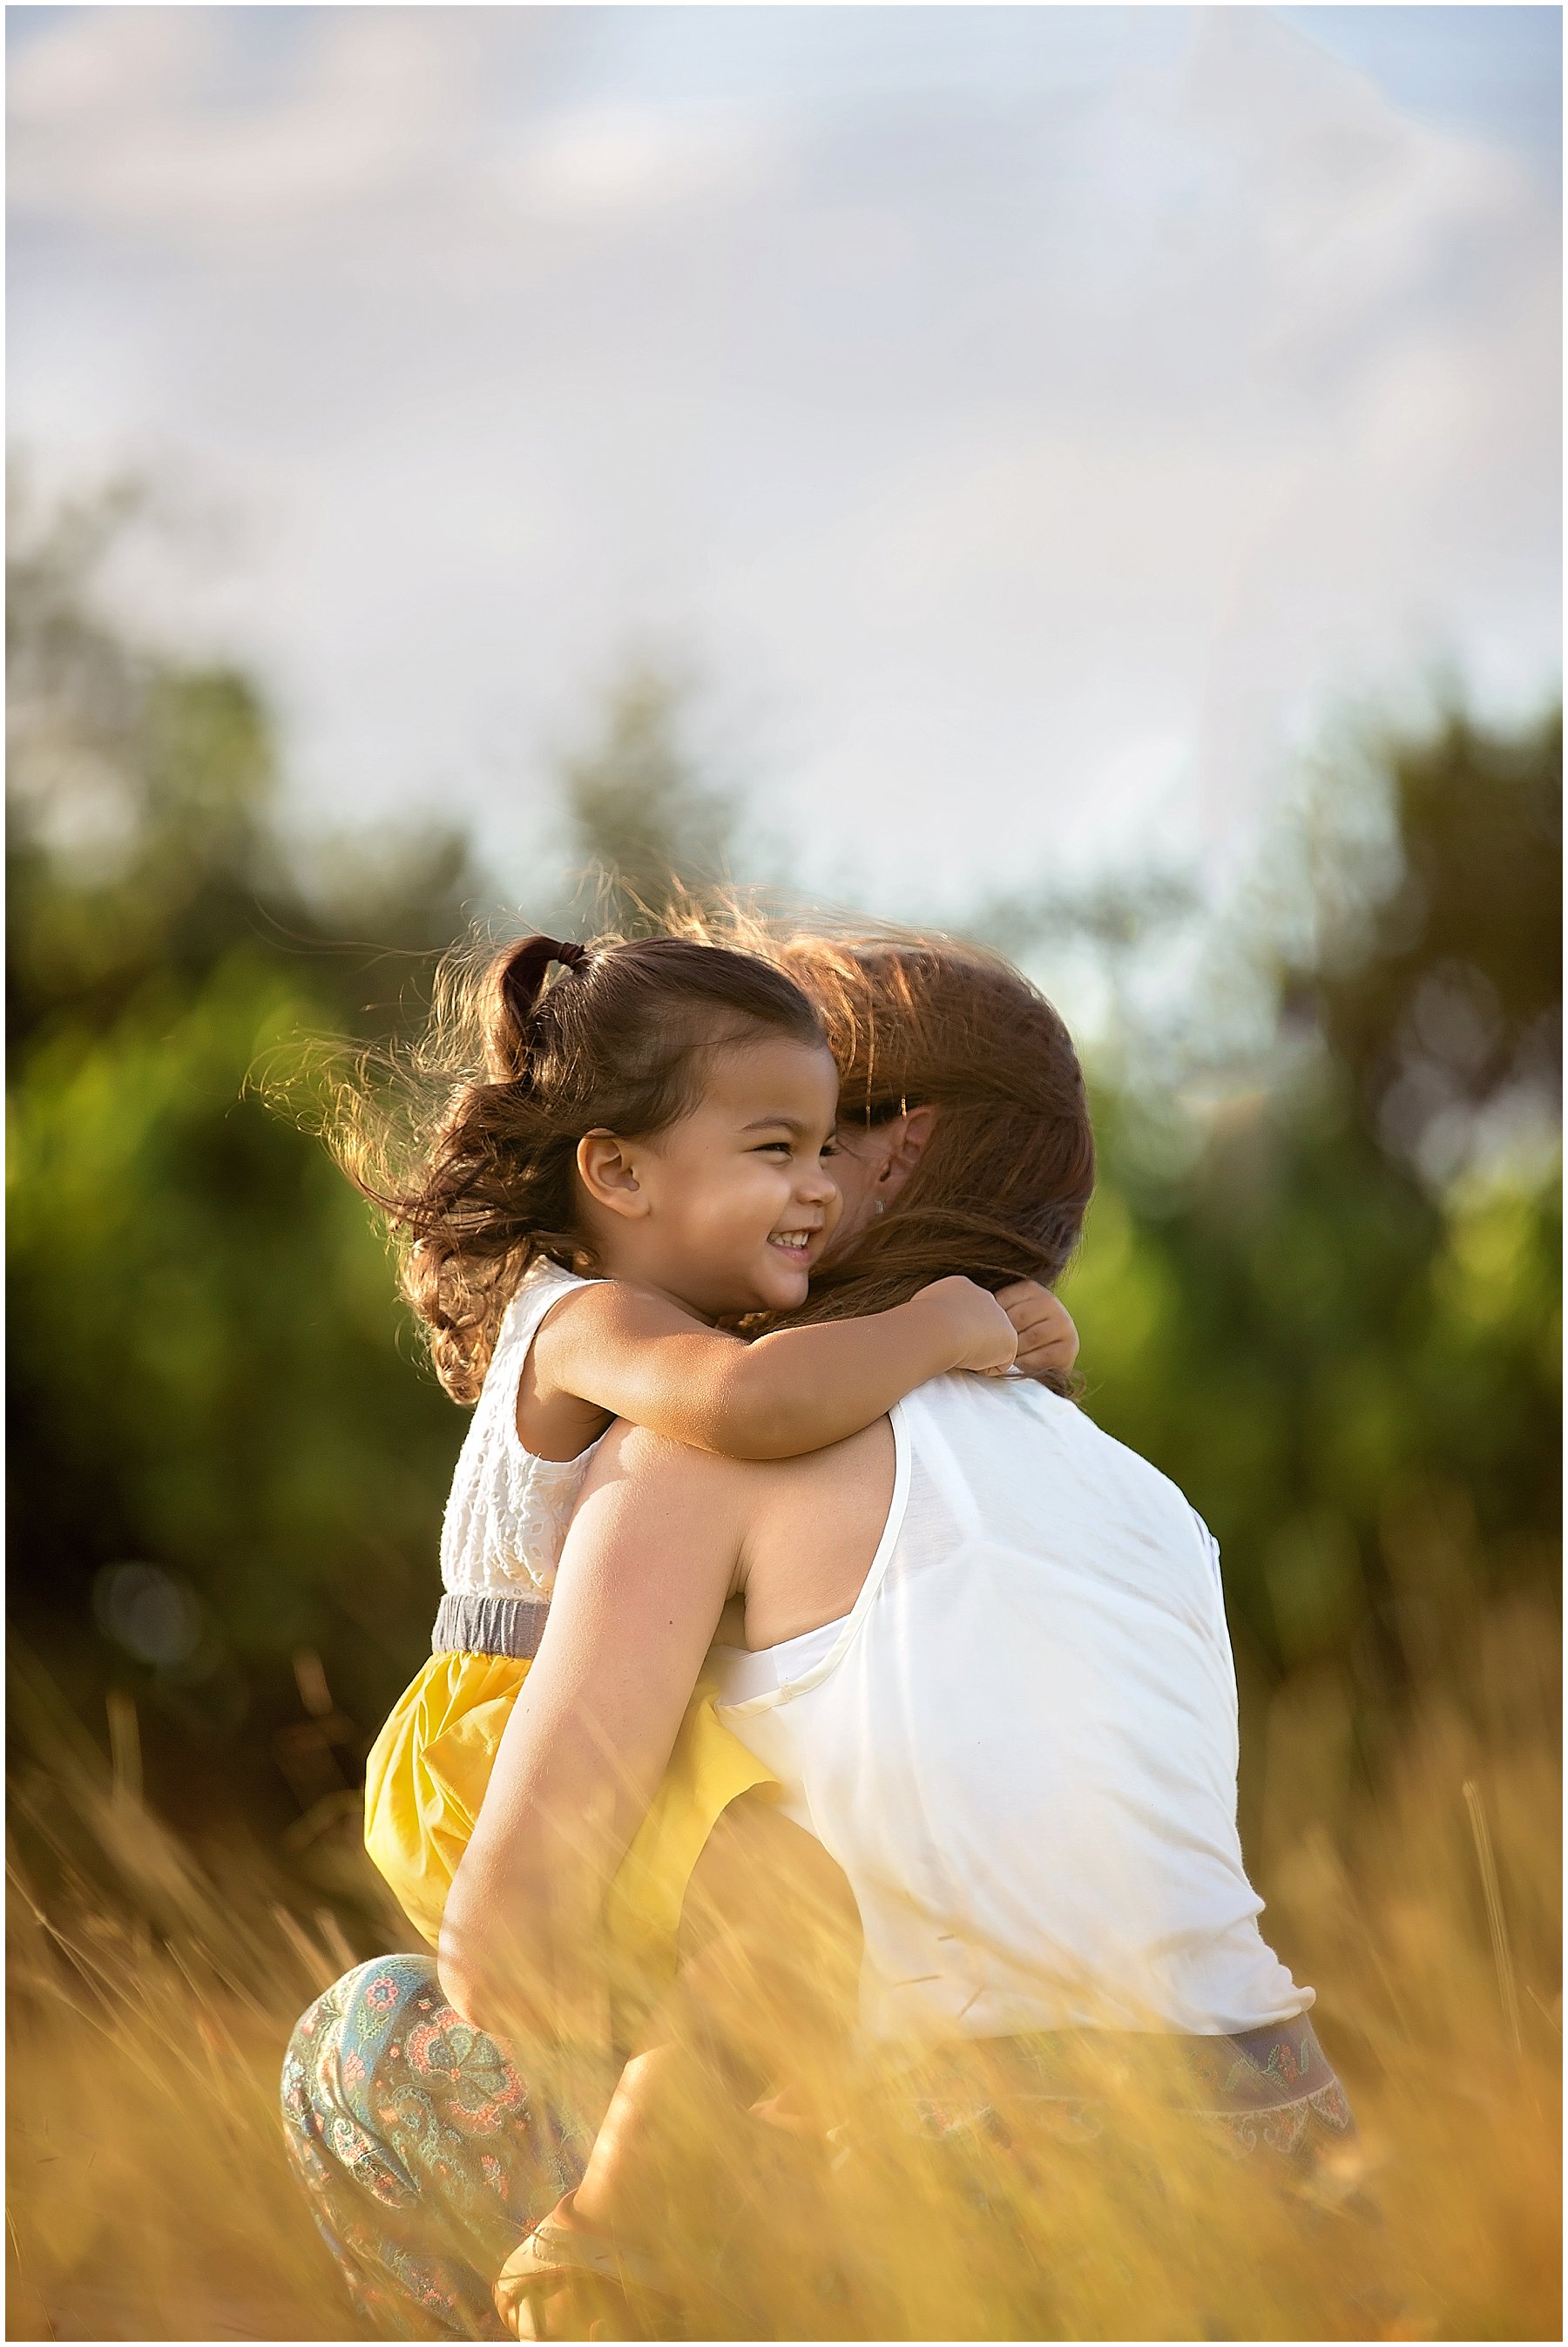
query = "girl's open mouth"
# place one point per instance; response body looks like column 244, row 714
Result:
column 795, row 1245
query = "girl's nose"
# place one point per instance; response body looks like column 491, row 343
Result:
column 816, row 1184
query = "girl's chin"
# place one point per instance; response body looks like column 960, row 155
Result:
column 787, row 1286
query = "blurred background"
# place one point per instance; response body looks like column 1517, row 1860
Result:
column 1087, row 478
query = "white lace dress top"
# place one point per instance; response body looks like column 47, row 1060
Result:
column 508, row 1512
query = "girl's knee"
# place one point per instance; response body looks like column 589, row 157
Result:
column 354, row 2013
column 384, row 1984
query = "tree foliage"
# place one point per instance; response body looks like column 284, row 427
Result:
column 211, row 1386
column 647, row 828
column 1444, row 998
column 228, row 1460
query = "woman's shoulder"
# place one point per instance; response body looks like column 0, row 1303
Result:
column 1014, row 1423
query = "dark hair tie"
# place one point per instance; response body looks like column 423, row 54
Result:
column 569, row 955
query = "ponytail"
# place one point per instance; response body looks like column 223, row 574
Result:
column 518, row 982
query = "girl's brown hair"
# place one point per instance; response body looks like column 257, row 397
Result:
column 1005, row 1180
column 517, row 1070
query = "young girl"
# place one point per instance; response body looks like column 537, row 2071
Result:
column 647, row 1154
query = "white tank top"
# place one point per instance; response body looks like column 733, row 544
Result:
column 1021, row 1746
column 507, row 1514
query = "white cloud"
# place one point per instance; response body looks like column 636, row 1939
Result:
column 612, row 159
column 381, row 94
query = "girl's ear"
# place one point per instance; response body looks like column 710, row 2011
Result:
column 606, row 1172
column 907, row 1138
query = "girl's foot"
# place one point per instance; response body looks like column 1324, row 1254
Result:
column 564, row 2280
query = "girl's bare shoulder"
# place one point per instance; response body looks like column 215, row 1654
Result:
column 602, row 1308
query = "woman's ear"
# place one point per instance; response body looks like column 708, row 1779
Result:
column 907, row 1138
column 606, row 1172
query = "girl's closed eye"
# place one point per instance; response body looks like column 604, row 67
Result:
column 791, row 1149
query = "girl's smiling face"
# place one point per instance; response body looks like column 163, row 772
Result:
column 727, row 1209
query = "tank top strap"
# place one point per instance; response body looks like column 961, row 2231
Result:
column 542, row 1286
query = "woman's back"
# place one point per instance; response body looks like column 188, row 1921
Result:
column 1021, row 1743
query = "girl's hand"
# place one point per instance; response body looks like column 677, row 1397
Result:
column 982, row 1334
column 1047, row 1339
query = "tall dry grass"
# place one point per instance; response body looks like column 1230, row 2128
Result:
column 152, row 1991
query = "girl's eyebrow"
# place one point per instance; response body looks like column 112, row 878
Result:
column 762, row 1123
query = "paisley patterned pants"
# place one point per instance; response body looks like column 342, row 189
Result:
column 426, row 2158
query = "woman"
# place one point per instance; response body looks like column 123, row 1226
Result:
column 984, row 1653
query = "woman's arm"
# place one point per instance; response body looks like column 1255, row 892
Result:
column 652, row 1557
column 640, row 1358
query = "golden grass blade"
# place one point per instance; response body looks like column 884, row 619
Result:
column 1496, row 1921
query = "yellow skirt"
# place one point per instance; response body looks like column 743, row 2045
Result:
column 429, row 1769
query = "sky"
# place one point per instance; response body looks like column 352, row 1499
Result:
column 1031, row 427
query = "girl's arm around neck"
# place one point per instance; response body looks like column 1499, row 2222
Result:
column 642, row 1358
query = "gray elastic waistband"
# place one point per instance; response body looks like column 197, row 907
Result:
column 468, row 1621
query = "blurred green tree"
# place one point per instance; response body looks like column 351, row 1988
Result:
column 1329, row 1307
column 143, row 818
column 647, row 828
column 1442, row 996
column 212, row 1389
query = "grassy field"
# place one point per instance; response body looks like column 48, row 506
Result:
column 152, row 1987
